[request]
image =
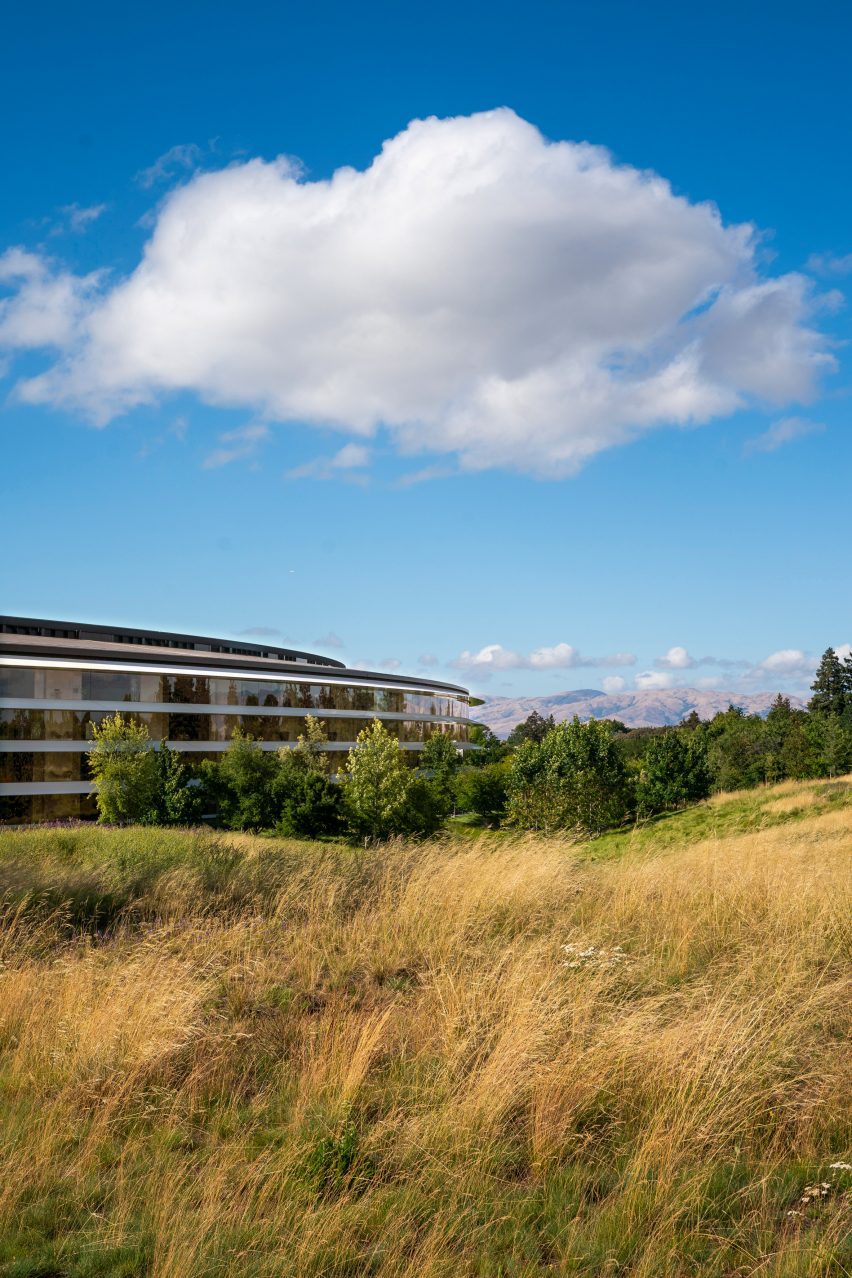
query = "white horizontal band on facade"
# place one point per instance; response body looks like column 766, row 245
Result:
column 202, row 672
column 70, row 746
column 46, row 787
column 202, row 707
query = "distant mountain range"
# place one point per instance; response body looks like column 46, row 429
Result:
column 647, row 709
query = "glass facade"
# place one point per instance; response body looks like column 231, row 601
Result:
column 42, row 703
column 191, row 690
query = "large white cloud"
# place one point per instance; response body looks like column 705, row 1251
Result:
column 477, row 290
column 561, row 656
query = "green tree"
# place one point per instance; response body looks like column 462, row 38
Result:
column 247, row 774
column 574, row 779
column 736, row 749
column 831, row 686
column 801, row 748
column 534, row 728
column 178, row 802
column 533, row 790
column 490, row 748
column 484, row 791
column 311, row 746
column 440, row 761
column 778, row 723
column 123, row 765
column 309, row 802
column 836, row 745
column 424, row 813
column 376, row 782
column 674, row 772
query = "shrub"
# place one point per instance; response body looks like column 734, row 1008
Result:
column 310, row 804
column 484, row 791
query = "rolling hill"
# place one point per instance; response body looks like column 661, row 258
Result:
column 644, row 709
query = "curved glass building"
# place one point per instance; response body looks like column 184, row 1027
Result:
column 58, row 677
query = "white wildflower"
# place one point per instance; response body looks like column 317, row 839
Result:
column 593, row 956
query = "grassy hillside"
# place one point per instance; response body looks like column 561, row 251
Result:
column 231, row 1056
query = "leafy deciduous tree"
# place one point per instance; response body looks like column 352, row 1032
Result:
column 674, row 772
column 376, row 782
column 440, row 760
column 484, row 791
column 574, row 779
column 247, row 774
column 123, row 764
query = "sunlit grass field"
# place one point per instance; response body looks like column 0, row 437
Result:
column 483, row 1056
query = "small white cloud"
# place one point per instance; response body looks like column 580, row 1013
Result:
column 562, row 656
column 843, row 650
column 613, row 683
column 788, row 661
column 783, row 432
column 48, row 304
column 428, row 659
column 390, row 663
column 675, row 659
column 351, row 457
column 331, row 640
column 177, row 159
column 234, row 445
column 423, row 476
column 653, row 680
column 77, row 219
column 830, row 263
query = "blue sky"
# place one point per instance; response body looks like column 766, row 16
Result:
column 515, row 409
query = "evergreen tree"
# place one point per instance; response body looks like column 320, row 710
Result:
column 533, row 728
column 847, row 687
column 491, row 748
column 123, row 765
column 778, row 727
column 836, row 744
column 831, row 685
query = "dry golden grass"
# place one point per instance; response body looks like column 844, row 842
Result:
column 297, row 1061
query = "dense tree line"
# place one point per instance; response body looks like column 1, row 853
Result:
column 374, row 795
column 548, row 776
